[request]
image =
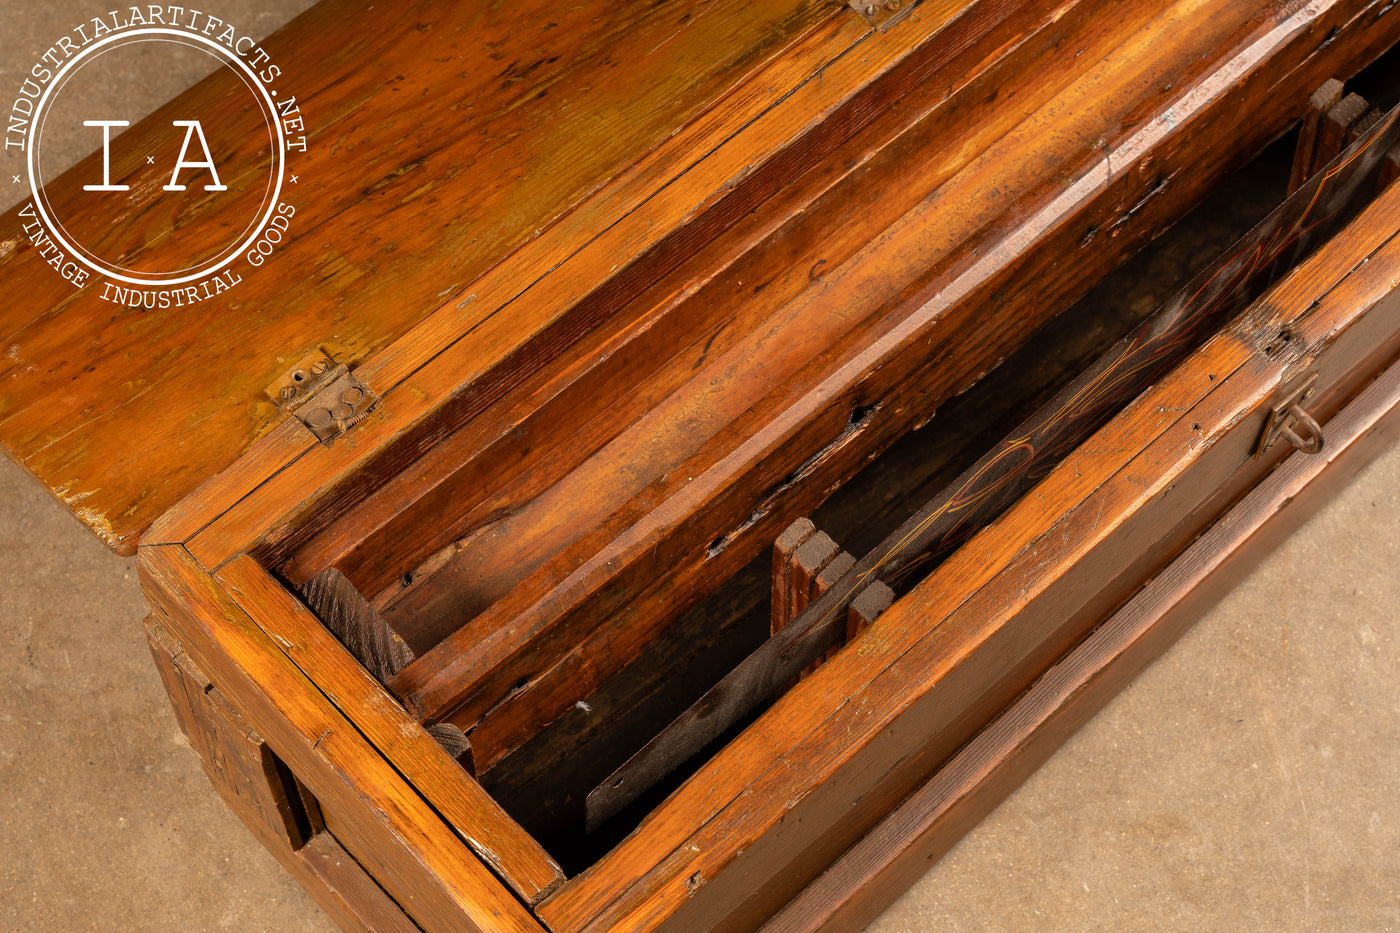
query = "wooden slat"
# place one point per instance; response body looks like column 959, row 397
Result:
column 875, row 871
column 989, row 620
column 825, row 580
column 832, row 572
column 404, row 844
column 1336, row 128
column 783, row 549
column 1305, row 155
column 866, row 608
column 808, row 561
column 536, row 631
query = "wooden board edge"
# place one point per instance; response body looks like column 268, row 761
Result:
column 344, row 889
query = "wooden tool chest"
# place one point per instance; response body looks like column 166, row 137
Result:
column 579, row 308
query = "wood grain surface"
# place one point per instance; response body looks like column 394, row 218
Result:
column 796, row 433
column 858, row 735
column 766, row 244
column 249, row 779
column 417, row 857
column 832, row 82
column 441, row 138
column 493, row 835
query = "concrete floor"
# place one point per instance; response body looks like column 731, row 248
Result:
column 1248, row 780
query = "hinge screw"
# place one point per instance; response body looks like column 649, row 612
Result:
column 892, row 5
column 323, row 395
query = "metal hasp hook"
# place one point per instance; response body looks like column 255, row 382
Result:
column 1287, row 417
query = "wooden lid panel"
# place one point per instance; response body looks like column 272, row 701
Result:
column 441, row 138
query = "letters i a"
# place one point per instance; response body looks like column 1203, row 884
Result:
column 192, row 129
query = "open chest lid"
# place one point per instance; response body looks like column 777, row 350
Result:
column 389, row 179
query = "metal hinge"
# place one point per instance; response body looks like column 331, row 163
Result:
column 323, row 395
column 1287, row 417
column 882, row 14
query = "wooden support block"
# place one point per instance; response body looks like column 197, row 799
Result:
column 808, row 561
column 787, row 544
column 833, row 572
column 455, row 743
column 1390, row 169
column 1335, row 130
column 1321, row 102
column 356, row 624
column 873, row 600
column 826, row 580
column 804, row 574
column 1363, row 126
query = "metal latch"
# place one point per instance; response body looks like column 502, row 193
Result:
column 1288, row 416
column 882, row 14
column 323, row 395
